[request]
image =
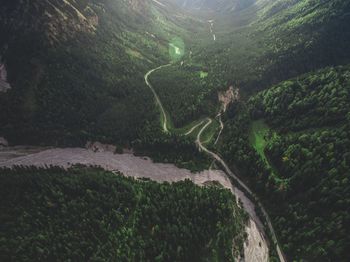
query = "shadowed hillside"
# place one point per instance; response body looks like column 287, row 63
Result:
column 77, row 68
column 150, row 75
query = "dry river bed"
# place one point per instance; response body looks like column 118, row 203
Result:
column 255, row 248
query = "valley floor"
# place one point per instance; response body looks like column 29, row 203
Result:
column 256, row 246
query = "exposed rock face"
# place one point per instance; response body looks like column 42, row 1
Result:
column 228, row 96
column 56, row 19
column 67, row 16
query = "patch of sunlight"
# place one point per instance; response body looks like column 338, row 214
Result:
column 134, row 53
column 176, row 49
column 203, row 74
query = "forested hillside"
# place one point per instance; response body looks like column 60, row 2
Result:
column 299, row 160
column 146, row 74
column 90, row 214
column 209, row 5
column 271, row 41
column 187, row 92
column 76, row 68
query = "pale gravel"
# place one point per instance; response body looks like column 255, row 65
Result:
column 255, row 248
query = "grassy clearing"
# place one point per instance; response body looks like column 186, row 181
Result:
column 259, row 138
column 203, row 74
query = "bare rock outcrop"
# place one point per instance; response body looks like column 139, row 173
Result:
column 57, row 20
column 228, row 96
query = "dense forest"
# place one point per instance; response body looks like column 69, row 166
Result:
column 171, row 148
column 306, row 160
column 271, row 41
column 81, row 78
column 77, row 68
column 187, row 92
column 86, row 214
column 88, row 83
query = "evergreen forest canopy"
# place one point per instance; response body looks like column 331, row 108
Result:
column 291, row 143
column 77, row 74
column 92, row 215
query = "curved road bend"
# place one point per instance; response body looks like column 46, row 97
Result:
column 241, row 183
column 220, row 160
column 165, row 128
column 193, row 128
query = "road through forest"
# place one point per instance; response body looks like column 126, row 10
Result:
column 245, row 200
column 248, row 205
column 165, row 120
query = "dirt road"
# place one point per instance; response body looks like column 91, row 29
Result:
column 165, row 128
column 248, row 205
column 193, row 128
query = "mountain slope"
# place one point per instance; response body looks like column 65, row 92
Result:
column 294, row 152
column 90, row 215
column 271, row 41
column 77, row 70
column 214, row 5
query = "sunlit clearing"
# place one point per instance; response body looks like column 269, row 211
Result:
column 176, row 49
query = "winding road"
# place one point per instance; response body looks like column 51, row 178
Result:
column 193, row 128
column 248, row 205
column 218, row 158
column 165, row 120
column 246, row 189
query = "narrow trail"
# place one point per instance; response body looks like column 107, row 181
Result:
column 250, row 211
column 165, row 120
